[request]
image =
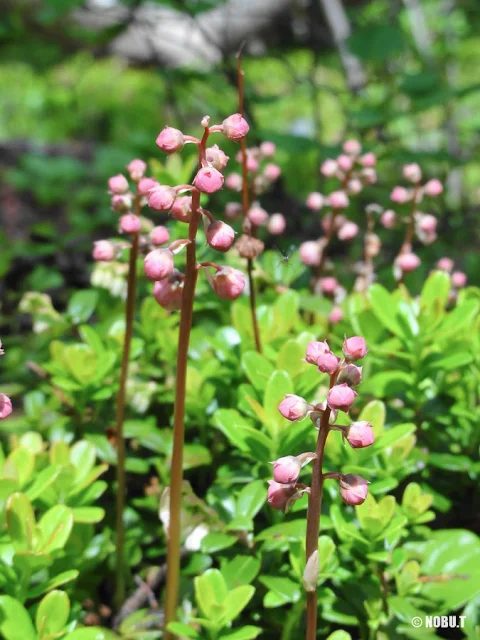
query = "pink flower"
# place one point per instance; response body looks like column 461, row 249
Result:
column 121, row 203
column 145, row 185
column 293, row 407
column 341, row 397
column 328, row 362
column 5, row 406
column 412, row 172
column 338, row 200
column 233, row 210
column 287, row 469
column 433, row 188
column 348, row 231
column 268, row 149
column 310, row 253
column 257, row 215
column 170, row 140
column 228, row 283
column 459, row 279
column 350, row 374
column 118, row 184
column 208, row 180
column 169, row 291
column 328, row 285
column 368, row 175
column 136, row 169
column 220, row 236
column 400, row 195
column 158, row 264
column 354, row 186
column 216, row 157
column 445, row 264
column 315, row 201
column 276, row 224
column 315, row 350
column 368, row 160
column 354, row 348
column 388, row 218
column 353, row 489
column 234, row 182
column 344, row 162
column 360, row 434
column 279, row 494
column 182, row 208
column 335, row 316
column 161, row 198
column 103, row 250
column 407, row 262
column 235, row 127
column 130, row 223
column 272, row 172
column 353, row 147
column 329, row 168
column 159, row 235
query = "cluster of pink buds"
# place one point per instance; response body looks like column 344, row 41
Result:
column 5, row 402
column 457, row 278
column 344, row 376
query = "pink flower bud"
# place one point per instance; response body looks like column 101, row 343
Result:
column 352, row 147
column 130, row 223
column 315, row 201
column 158, row 264
column 293, row 407
column 328, row 285
column 136, row 169
column 388, row 218
column 341, row 396
column 348, row 231
column 350, row 374
column 182, row 208
column 354, row 186
column 328, row 168
column 257, row 215
column 287, row 469
column 344, row 162
column 368, row 175
column 335, row 316
column 267, row 149
column 169, row 291
column 277, row 224
column 328, row 362
column 252, row 163
column 159, row 235
column 427, row 223
column 233, row 210
column 353, row 489
column 220, row 236
column 118, row 184
column 145, row 185
column 354, row 348
column 216, row 157
column 338, row 200
column 234, row 182
column 5, row 406
column 121, row 203
column 368, row 160
column 327, row 221
column 208, row 180
column 170, row 140
column 103, row 250
column 433, row 188
column 279, row 494
column 310, row 253
column 272, row 172
column 459, row 279
column 161, row 198
column 400, row 195
column 315, row 350
column 412, row 172
column 445, row 264
column 407, row 262
column 235, row 127
column 360, row 434
column 228, row 283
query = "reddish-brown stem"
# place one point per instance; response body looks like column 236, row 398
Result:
column 120, row 441
column 314, row 511
column 409, row 233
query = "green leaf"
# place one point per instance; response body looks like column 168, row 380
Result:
column 15, row 623
column 92, row 633
column 236, row 601
column 285, row 531
column 88, row 515
column 183, row 630
column 82, row 456
column 278, row 385
column 290, row 357
column 257, row 368
column 210, row 592
column 213, row 542
column 240, row 571
column 435, row 292
column 376, row 42
column 284, row 590
column 384, row 306
column 251, row 499
column 53, row 583
column 245, row 633
column 52, row 613
column 375, row 413
column 19, row 465
column 20, row 522
column 81, row 305
column 43, row 480
column 388, row 383
column 55, row 528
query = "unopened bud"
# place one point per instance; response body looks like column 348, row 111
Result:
column 360, row 434
column 354, row 348
column 412, row 172
column 220, row 236
column 170, row 140
column 293, row 407
column 328, row 168
column 136, row 169
column 118, row 184
column 348, row 231
column 130, row 223
column 5, row 406
column 353, row 489
column 216, row 157
column 228, row 283
column 159, row 235
column 235, row 127
column 341, row 397
column 182, row 208
column 103, row 251
column 400, row 195
column 161, row 198
column 350, row 374
column 315, row 201
column 459, row 279
column 208, row 180
column 158, row 264
column 169, row 291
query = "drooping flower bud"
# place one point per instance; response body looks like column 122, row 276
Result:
column 350, row 374
column 257, row 215
column 352, row 147
column 235, row 127
column 459, row 279
column 234, row 182
column 407, row 262
column 170, row 140
column 328, row 285
column 329, row 168
column 368, row 160
column 388, row 218
column 136, row 169
column 118, row 184
column 103, row 250
column 354, row 186
column 159, row 235
column 277, row 224
column 145, row 185
column 315, row 201
column 272, row 172
column 161, row 198
column 310, row 253
column 348, row 231
column 182, row 208
column 328, row 362
column 353, row 489
column 445, row 264
column 338, row 200
column 216, row 157
column 354, row 348
column 341, row 397
column 368, row 175
column 311, row 573
column 335, row 316
column 121, row 203
column 412, row 172
column 293, row 407
column 287, row 469
column 433, row 188
column 228, row 283
column 158, row 264
column 400, row 195
column 169, row 291
column 220, row 236
column 344, row 162
column 360, row 434
column 315, row 349
column 208, row 180
column 130, row 223
column 5, row 406
column 267, row 149
column 278, row 494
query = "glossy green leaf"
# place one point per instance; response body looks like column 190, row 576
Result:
column 284, row 591
column 236, row 601
column 278, row 385
column 54, row 528
column 251, row 499
column 53, row 583
column 257, row 368
column 214, row 542
column 15, row 622
column 52, row 613
column 248, row 632
column 92, row 633
column 210, row 592
column 240, row 571
column 20, row 522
